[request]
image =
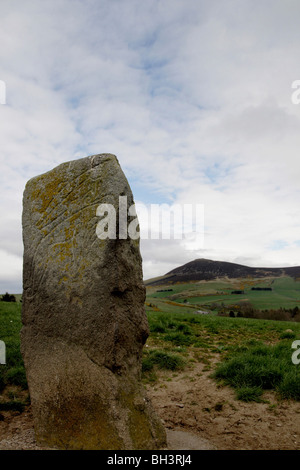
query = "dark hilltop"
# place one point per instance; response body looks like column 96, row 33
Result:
column 206, row 270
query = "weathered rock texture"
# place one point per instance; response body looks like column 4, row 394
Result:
column 84, row 323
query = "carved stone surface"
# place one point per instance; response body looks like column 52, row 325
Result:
column 84, row 323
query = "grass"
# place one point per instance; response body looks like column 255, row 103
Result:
column 285, row 293
column 260, row 368
column 249, row 393
column 253, row 355
column 13, row 372
column 163, row 360
column 160, row 359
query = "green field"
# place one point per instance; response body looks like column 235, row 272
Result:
column 248, row 354
column 205, row 294
column 13, row 384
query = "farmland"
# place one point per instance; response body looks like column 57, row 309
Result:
column 205, row 373
column 210, row 295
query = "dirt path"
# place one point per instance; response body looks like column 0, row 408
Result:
column 197, row 415
column 193, row 402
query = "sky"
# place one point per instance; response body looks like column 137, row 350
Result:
column 194, row 97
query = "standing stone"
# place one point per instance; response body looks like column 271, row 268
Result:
column 84, row 323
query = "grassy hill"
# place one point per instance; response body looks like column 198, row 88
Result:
column 205, row 269
column 214, row 294
column 253, row 351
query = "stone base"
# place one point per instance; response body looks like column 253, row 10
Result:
column 73, row 410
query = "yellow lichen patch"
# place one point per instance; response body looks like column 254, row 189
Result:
column 69, row 233
column 44, row 189
column 62, row 251
column 63, row 279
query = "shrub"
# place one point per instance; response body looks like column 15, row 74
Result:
column 8, row 297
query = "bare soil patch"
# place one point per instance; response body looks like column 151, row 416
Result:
column 193, row 402
column 197, row 413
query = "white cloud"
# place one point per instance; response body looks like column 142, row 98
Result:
column 193, row 97
column 10, row 269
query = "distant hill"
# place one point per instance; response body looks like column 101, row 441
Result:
column 205, row 269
